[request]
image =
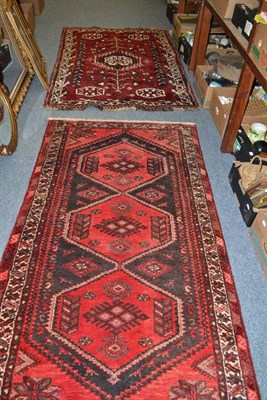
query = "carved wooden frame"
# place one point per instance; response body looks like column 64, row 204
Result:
column 29, row 46
column 18, row 92
column 31, row 61
column 7, row 111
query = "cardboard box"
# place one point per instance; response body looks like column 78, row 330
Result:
column 243, row 19
column 245, row 204
column 243, row 149
column 246, row 126
column 226, row 7
column 38, row 5
column 259, row 47
column 202, row 89
column 230, row 66
column 170, row 11
column 27, row 9
column 184, row 23
column 184, row 49
column 4, row 29
column 230, row 51
column 258, row 235
column 219, row 111
column 5, row 55
column 174, row 38
column 256, row 110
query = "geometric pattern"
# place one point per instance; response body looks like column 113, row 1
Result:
column 120, row 226
column 159, row 228
column 69, row 318
column 117, row 290
column 23, row 361
column 115, row 347
column 116, row 316
column 121, row 208
column 81, row 266
column 193, row 390
column 120, row 291
column 206, row 366
column 92, row 194
column 120, row 247
column 123, row 166
column 163, row 323
column 130, row 221
column 153, row 268
column 35, row 389
column 152, row 195
column 117, row 69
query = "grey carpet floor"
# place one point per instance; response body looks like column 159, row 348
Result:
column 15, row 170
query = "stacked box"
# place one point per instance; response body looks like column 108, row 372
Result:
column 259, row 47
column 171, row 10
column 243, row 149
column 184, row 23
column 243, row 19
column 27, row 9
column 203, row 90
column 38, row 5
column 226, row 7
column 255, row 219
column 246, row 208
column 184, row 49
column 258, row 234
column 4, row 29
column 256, row 110
column 5, row 55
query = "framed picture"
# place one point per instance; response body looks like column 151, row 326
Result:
column 17, row 78
column 8, row 124
column 17, row 21
column 14, row 82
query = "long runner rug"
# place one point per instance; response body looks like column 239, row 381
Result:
column 118, row 69
column 116, row 282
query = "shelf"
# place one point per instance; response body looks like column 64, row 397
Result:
column 251, row 67
column 241, row 44
column 259, row 72
column 181, row 6
column 228, row 27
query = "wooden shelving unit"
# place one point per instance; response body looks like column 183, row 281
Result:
column 181, row 6
column 251, row 68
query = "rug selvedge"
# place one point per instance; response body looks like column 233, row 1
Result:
column 133, row 289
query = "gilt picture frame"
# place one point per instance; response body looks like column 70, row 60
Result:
column 8, row 124
column 25, row 74
column 22, row 31
column 28, row 62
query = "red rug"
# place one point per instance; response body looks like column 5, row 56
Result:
column 118, row 69
column 116, row 282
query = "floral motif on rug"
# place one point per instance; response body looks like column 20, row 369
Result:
column 116, row 282
column 118, row 69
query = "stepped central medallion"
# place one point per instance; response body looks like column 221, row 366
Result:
column 132, row 227
column 118, row 60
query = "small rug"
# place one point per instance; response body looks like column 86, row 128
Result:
column 118, row 69
column 116, row 282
